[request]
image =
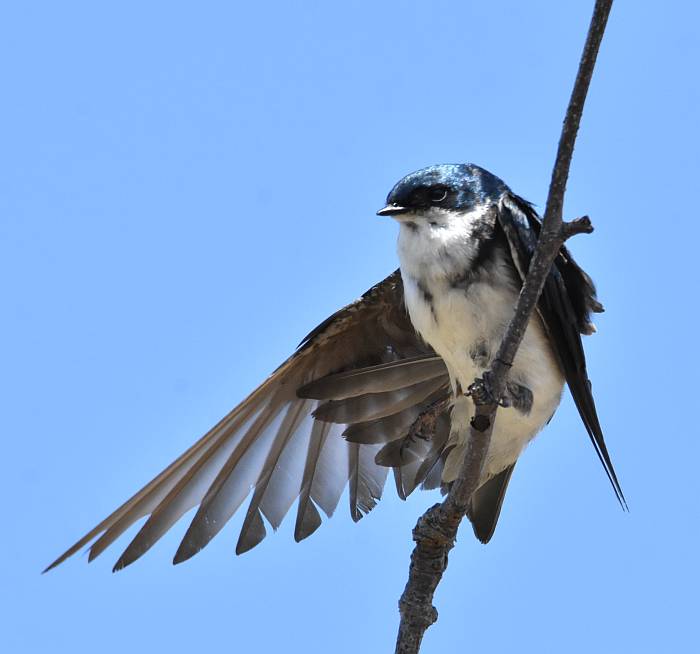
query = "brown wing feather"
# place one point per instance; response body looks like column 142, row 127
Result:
column 308, row 518
column 273, row 445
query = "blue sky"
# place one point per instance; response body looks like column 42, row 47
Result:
column 187, row 190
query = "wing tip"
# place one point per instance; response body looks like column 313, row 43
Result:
column 622, row 499
column 128, row 556
column 308, row 520
column 67, row 554
column 596, row 436
column 51, row 566
column 71, row 551
column 187, row 548
column 120, row 564
column 483, row 537
column 252, row 533
column 183, row 554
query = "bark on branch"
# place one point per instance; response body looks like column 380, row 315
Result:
column 436, row 530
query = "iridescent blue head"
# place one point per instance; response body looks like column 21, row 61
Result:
column 456, row 187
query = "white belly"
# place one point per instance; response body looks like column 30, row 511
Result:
column 465, row 328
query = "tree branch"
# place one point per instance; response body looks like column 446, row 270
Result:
column 436, row 530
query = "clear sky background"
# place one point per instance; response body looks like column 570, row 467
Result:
column 188, row 188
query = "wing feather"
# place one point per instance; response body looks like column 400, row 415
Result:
column 564, row 306
column 376, row 405
column 413, row 457
column 383, row 430
column 308, row 518
column 332, row 472
column 228, row 490
column 384, row 377
column 295, row 415
column 185, row 494
column 146, row 499
column 365, row 364
column 366, row 479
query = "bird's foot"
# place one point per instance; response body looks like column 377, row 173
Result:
column 514, row 396
column 481, row 390
column 518, row 397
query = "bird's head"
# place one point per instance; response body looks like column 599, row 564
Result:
column 441, row 191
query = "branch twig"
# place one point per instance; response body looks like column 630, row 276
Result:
column 436, row 530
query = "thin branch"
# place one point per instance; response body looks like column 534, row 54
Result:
column 436, row 530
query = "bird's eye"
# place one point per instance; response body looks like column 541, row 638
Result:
column 437, row 194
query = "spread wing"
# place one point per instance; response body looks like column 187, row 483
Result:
column 565, row 305
column 335, row 414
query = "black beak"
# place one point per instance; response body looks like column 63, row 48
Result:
column 392, row 210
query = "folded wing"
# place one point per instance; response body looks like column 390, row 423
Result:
column 565, row 305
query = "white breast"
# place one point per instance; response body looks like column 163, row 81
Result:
column 461, row 322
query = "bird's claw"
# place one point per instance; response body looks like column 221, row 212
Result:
column 505, row 402
column 481, row 390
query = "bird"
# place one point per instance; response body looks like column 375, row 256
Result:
column 383, row 384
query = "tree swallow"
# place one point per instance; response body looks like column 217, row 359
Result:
column 341, row 410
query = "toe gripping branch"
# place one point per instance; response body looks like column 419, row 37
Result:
column 484, row 391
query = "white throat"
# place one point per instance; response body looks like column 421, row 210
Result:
column 434, row 243
column 460, row 299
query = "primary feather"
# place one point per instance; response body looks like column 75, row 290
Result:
column 279, row 443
